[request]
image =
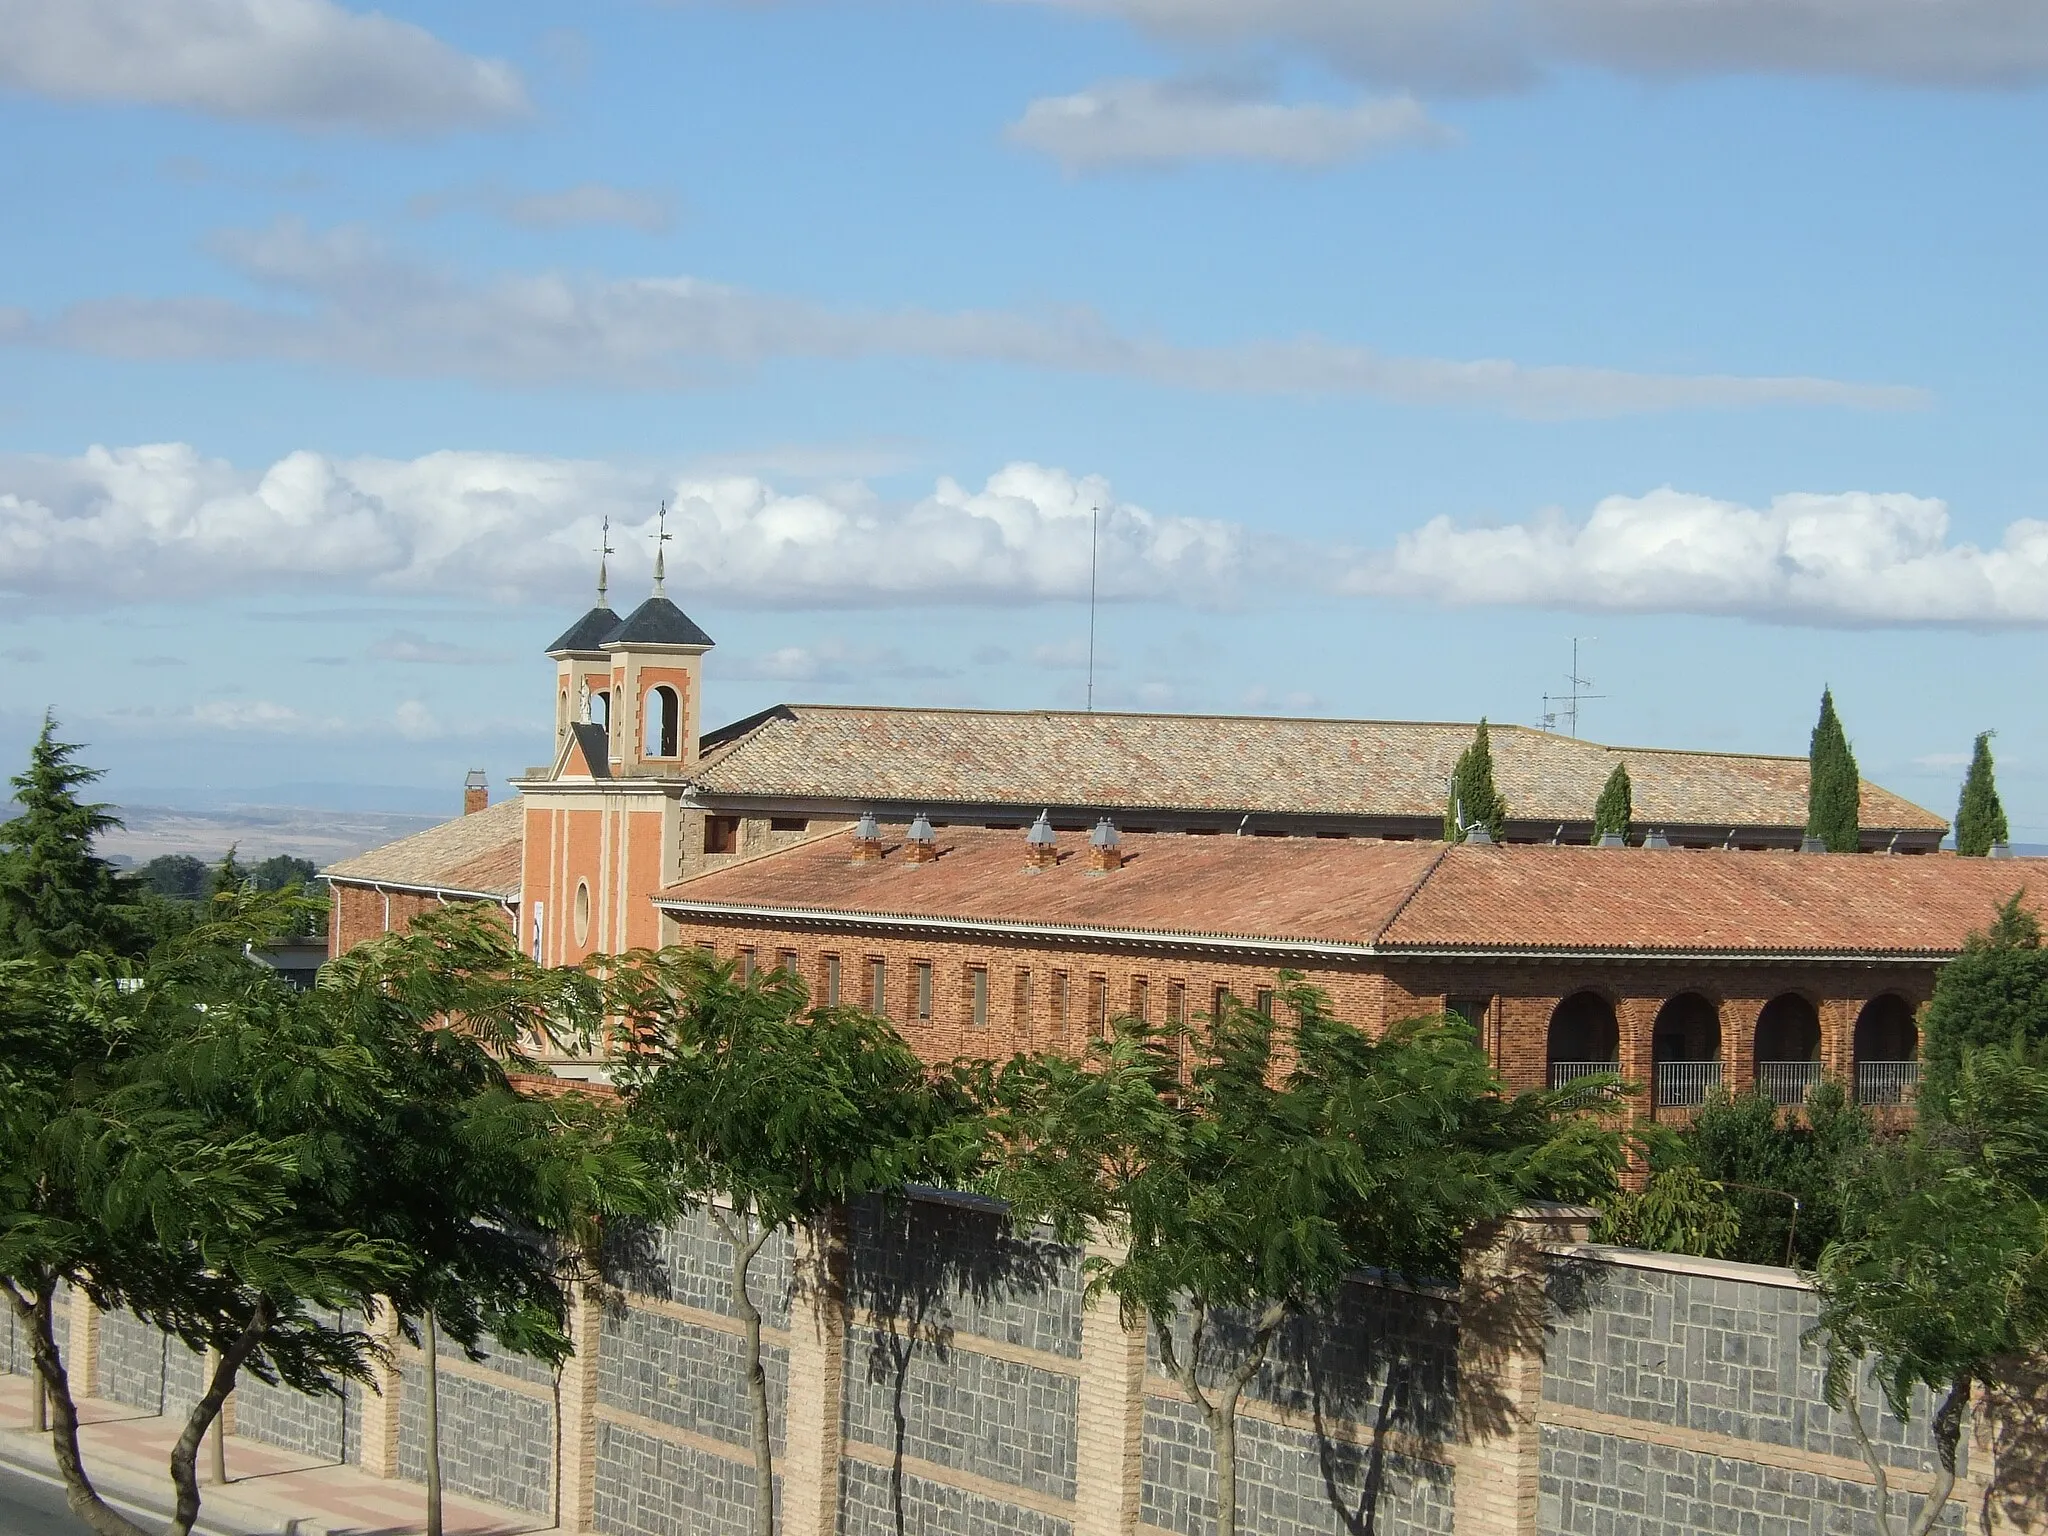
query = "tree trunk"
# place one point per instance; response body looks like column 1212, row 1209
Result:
column 430, row 1382
column 39, row 1401
column 744, row 1247
column 1223, row 1436
column 84, row 1500
column 206, row 1412
column 1950, row 1419
column 1221, row 1414
column 216, row 1436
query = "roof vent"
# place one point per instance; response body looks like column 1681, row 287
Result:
column 1812, row 843
column 921, row 844
column 1042, row 845
column 476, row 792
column 1613, row 840
column 1105, row 848
column 867, row 839
column 1999, row 851
column 1657, row 839
column 1479, row 836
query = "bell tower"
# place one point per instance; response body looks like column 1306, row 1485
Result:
column 656, row 680
column 583, row 672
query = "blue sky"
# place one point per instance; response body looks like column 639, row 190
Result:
column 1396, row 343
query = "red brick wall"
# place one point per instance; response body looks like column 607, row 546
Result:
column 360, row 912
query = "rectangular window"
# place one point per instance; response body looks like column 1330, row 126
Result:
column 1219, row 1003
column 1098, row 1007
column 1021, row 1004
column 1176, row 1005
column 977, row 996
column 721, row 834
column 831, row 981
column 1141, row 998
column 787, row 960
column 788, row 824
column 1473, row 1010
column 878, row 986
column 1059, row 1004
column 746, row 964
column 707, row 946
column 921, row 976
column 1262, row 1000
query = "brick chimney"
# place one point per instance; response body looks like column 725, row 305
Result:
column 1105, row 848
column 476, row 792
column 867, row 840
column 920, row 843
column 1041, row 846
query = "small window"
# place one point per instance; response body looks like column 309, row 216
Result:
column 1059, row 1004
column 721, row 834
column 663, row 715
column 787, row 960
column 788, row 824
column 1262, row 999
column 747, row 963
column 921, row 975
column 1201, row 832
column 878, row 986
column 1219, row 1002
column 1473, row 1010
column 1141, row 999
column 1022, row 1001
column 1098, row 1007
column 707, row 946
column 582, row 912
column 831, row 981
column 1176, row 1005
column 977, row 996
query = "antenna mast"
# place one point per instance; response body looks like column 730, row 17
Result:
column 1094, row 519
column 1565, row 706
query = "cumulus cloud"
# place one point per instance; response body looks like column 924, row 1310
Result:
column 407, row 646
column 1157, row 123
column 1492, row 45
column 1850, row 558
column 832, row 661
column 350, row 302
column 588, row 203
column 165, row 522
column 305, row 63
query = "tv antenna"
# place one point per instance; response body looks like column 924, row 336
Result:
column 1565, row 706
column 1094, row 519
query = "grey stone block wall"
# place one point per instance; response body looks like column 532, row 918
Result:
column 653, row 1487
column 15, row 1356
column 997, row 1419
column 132, row 1355
column 295, row 1421
column 1605, row 1485
column 496, row 1443
column 689, row 1262
column 942, row 1266
column 495, row 1357
column 1725, row 1356
column 868, row 1500
column 1289, row 1483
column 682, row 1373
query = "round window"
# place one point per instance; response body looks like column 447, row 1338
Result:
column 582, row 911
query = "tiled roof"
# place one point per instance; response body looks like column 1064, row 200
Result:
column 588, row 632
column 1240, row 763
column 479, row 852
column 658, row 622
column 1405, row 897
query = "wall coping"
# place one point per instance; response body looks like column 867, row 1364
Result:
column 1684, row 1264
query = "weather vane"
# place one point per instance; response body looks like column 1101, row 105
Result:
column 604, row 553
column 661, row 537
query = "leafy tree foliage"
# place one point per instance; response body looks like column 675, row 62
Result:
column 229, row 876
column 1980, row 817
column 178, row 876
column 767, row 1115
column 1296, row 1153
column 1616, row 806
column 1941, row 1277
column 1995, row 993
column 281, row 871
column 1834, row 789
column 1678, row 1210
column 57, row 897
column 1474, row 801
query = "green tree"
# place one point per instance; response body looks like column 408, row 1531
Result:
column 1296, row 1153
column 1834, row 788
column 1474, row 802
column 1995, row 993
column 281, row 871
column 1941, row 1278
column 1616, row 806
column 57, row 897
column 1980, row 818
column 767, row 1115
column 1678, row 1210
column 229, row 877
column 177, row 876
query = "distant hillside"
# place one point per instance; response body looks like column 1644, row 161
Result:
column 257, row 832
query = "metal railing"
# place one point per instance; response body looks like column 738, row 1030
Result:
column 1887, row 1082
column 1686, row 1084
column 1565, row 1073
column 1787, row 1082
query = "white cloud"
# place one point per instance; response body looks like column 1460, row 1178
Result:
column 1152, row 122
column 1488, row 45
column 590, row 202
column 253, row 716
column 1852, row 558
column 415, row 721
column 305, row 63
column 354, row 304
column 830, row 661
column 408, row 646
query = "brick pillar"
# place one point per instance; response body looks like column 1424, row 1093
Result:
column 812, row 1426
column 1110, row 1463
column 576, row 1477
column 82, row 1346
column 1738, row 1042
column 1502, row 1310
column 1838, row 1040
column 380, row 1398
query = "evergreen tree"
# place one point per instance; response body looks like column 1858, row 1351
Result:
column 1980, row 818
column 1616, row 806
column 1994, row 994
column 229, row 877
column 57, row 897
column 1834, row 787
column 282, row 870
column 178, row 876
column 1473, row 796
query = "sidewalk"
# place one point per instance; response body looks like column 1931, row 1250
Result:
column 127, row 1455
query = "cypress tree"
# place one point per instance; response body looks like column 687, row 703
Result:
column 1834, row 788
column 57, row 898
column 1473, row 794
column 1616, row 806
column 1980, row 818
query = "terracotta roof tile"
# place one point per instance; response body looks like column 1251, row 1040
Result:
column 1240, row 763
column 479, row 852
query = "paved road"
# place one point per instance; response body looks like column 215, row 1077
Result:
column 31, row 1505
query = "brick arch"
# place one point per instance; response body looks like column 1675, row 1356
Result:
column 1585, row 1031
column 1788, row 1028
